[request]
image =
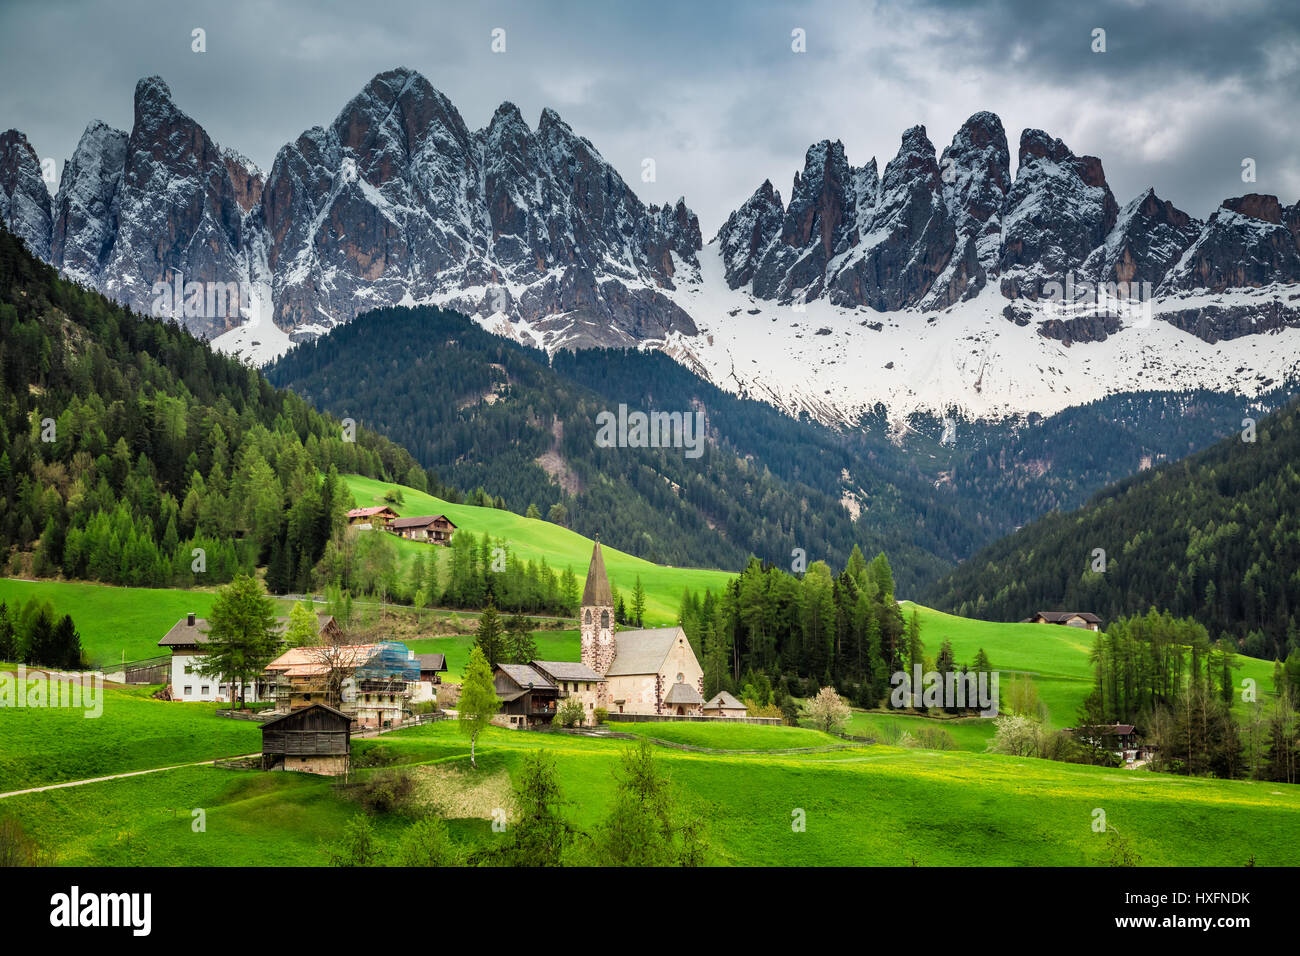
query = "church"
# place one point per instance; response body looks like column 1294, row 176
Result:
column 646, row 671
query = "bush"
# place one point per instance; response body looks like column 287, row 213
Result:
column 426, row 843
column 569, row 713
column 933, row 738
column 386, row 791
column 357, row 848
column 377, row 756
column 601, row 715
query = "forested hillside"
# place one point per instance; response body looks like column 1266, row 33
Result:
column 134, row 454
column 1215, row 537
column 489, row 413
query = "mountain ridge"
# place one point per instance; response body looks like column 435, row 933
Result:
column 535, row 235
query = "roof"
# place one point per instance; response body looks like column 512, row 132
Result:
column 432, row 662
column 681, row 693
column 523, row 675
column 566, row 670
column 420, row 521
column 302, row 710
column 311, row 661
column 642, row 651
column 596, row 592
column 183, row 634
column 724, row 700
column 1056, row 617
column 367, row 512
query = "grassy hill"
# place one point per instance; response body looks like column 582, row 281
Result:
column 875, row 805
column 1055, row 658
column 532, row 538
column 116, row 623
column 134, row 732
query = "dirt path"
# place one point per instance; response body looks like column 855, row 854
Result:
column 118, row 776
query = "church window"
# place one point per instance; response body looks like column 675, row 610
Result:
column 588, row 615
column 604, row 619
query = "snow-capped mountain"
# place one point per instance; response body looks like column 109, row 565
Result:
column 942, row 282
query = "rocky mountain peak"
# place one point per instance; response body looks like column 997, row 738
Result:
column 1059, row 209
column 24, row 197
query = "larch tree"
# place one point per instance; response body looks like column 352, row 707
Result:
column 478, row 700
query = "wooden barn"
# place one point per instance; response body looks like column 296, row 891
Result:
column 314, row 739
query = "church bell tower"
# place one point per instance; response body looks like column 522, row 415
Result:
column 596, row 616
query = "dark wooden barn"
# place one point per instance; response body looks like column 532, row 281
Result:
column 312, row 739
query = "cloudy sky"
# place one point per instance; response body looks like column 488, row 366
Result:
column 713, row 92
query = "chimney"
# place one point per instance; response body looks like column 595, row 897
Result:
column 189, row 619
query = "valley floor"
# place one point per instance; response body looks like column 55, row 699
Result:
column 875, row 805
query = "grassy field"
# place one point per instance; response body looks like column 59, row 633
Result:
column 116, row 623
column 537, row 539
column 728, row 736
column 134, row 732
column 968, row 733
column 875, row 805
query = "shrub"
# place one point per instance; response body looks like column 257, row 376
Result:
column 569, row 713
column 386, row 791
column 601, row 715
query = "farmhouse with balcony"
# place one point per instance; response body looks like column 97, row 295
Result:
column 186, row 640
column 313, row 739
column 435, row 529
column 646, row 671
column 366, row 518
column 528, row 697
column 1083, row 619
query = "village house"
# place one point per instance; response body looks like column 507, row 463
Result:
column 432, row 667
column 376, row 682
column 574, row 680
column 366, row 518
column 646, row 671
column 1119, row 739
column 435, row 529
column 724, row 704
column 528, row 697
column 1083, row 619
column 314, row 739
column 186, row 639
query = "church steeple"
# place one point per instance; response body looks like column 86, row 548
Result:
column 596, row 615
column 597, row 593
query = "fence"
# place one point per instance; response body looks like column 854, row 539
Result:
column 151, row 670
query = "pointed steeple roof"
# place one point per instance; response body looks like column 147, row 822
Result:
column 597, row 593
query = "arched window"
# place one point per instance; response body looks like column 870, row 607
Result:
column 588, row 615
column 604, row 619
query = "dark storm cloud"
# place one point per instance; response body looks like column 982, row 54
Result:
column 711, row 91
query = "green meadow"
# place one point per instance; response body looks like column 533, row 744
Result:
column 41, row 745
column 874, row 805
column 533, row 538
